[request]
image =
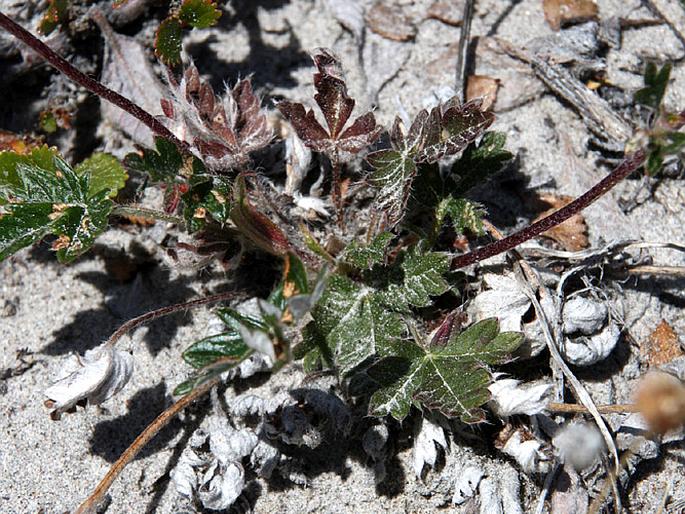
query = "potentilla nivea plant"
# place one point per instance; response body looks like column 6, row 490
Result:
column 354, row 306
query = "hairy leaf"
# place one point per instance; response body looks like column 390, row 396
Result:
column 199, row 14
column 168, row 41
column 656, row 81
column 465, row 215
column 450, row 379
column 363, row 320
column 336, row 106
column 254, row 225
column 393, row 175
column 40, row 197
column 222, row 131
column 446, row 130
column 423, row 277
column 365, row 257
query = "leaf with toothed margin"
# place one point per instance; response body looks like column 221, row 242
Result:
column 366, row 256
column 446, row 130
column 40, row 194
column 451, row 379
column 336, row 106
column 199, row 14
column 168, row 41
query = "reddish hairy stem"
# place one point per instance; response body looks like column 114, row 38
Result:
column 629, row 165
column 63, row 66
column 165, row 311
column 91, row 503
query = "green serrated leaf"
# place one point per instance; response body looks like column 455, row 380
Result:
column 206, row 202
column 56, row 14
column 479, row 161
column 465, row 215
column 423, row 277
column 168, row 41
column 199, row 14
column 393, row 175
column 162, row 164
column 106, row 174
column 365, row 257
column 43, row 158
column 449, row 379
column 656, row 81
column 354, row 322
column 226, row 346
column 41, row 198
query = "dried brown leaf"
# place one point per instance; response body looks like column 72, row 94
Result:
column 559, row 13
column 387, row 19
column 662, row 345
column 481, row 86
column 447, row 11
column 571, row 235
column 127, row 70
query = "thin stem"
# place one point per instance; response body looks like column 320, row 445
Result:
column 629, row 165
column 464, row 37
column 62, row 65
column 130, row 210
column 91, row 503
column 573, row 408
column 337, row 193
column 164, row 311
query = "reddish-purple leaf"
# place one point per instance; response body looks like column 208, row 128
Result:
column 336, row 106
column 222, row 131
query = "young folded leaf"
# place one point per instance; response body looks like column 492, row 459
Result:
column 222, row 131
column 40, row 194
column 98, row 375
column 446, row 130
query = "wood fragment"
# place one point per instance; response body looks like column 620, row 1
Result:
column 449, row 12
column 481, row 86
column 560, row 13
column 387, row 20
column 597, row 114
column 661, row 346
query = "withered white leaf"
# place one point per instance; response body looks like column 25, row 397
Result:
column 425, row 450
column 98, row 375
column 127, row 70
column 509, row 397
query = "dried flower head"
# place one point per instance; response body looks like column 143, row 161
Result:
column 579, row 444
column 98, row 375
column 661, row 401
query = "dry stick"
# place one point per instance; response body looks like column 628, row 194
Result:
column 629, row 165
column 164, row 311
column 573, row 408
column 464, row 36
column 576, row 386
column 91, row 503
column 62, row 65
column 144, row 212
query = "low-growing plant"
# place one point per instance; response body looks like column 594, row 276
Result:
column 362, row 298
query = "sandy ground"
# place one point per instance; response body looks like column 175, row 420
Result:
column 48, row 310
